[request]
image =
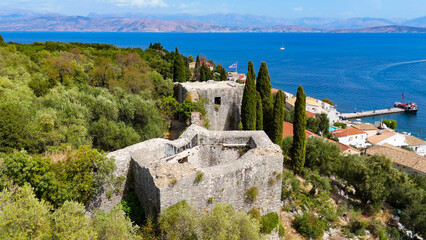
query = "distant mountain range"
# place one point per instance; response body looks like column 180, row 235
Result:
column 29, row 21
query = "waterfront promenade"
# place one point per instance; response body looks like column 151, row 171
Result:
column 372, row 113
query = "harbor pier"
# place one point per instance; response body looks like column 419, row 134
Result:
column 372, row 113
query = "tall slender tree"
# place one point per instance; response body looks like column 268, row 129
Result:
column 263, row 86
column 277, row 133
column 197, row 62
column 259, row 112
column 179, row 72
column 248, row 106
column 298, row 149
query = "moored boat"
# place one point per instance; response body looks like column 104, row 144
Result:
column 408, row 107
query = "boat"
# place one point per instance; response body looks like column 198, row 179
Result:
column 410, row 107
column 282, row 47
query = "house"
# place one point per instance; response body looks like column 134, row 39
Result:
column 402, row 159
column 399, row 140
column 351, row 136
column 389, row 137
column 345, row 149
column 316, row 106
column 234, row 76
column 416, row 144
column 368, row 128
column 207, row 63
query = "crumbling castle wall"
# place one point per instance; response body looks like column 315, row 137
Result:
column 163, row 172
column 223, row 104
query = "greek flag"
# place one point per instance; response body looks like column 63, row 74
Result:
column 235, row 65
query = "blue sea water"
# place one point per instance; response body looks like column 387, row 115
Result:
column 356, row 71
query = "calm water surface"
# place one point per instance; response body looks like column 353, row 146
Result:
column 356, row 71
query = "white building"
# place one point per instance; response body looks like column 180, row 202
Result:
column 399, row 140
column 418, row 145
column 316, row 106
column 389, row 137
column 234, row 76
column 351, row 136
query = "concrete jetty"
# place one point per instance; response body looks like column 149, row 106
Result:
column 372, row 113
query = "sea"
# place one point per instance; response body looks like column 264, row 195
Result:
column 357, row 71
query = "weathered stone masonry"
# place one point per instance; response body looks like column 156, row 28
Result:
column 223, row 98
column 163, row 172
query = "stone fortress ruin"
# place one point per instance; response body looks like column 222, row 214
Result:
column 203, row 167
column 223, row 98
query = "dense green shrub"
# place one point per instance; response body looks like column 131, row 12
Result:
column 251, row 194
column 390, row 123
column 179, row 221
column 309, row 226
column 66, row 175
column 269, row 222
column 23, row 216
column 339, row 124
column 132, row 208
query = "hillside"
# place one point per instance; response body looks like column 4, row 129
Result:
column 383, row 29
column 189, row 23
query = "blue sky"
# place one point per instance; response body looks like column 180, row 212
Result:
column 273, row 8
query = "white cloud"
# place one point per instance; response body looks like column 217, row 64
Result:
column 298, row 9
column 140, row 3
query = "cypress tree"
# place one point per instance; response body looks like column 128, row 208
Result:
column 277, row 133
column 248, row 106
column 203, row 73
column 1, row 39
column 298, row 149
column 179, row 72
column 259, row 112
column 197, row 62
column 263, row 86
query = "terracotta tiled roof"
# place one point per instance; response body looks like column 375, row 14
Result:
column 310, row 114
column 345, row 147
column 288, row 131
column 364, row 126
column 380, row 137
column 346, row 132
column 410, row 140
column 400, row 156
column 274, row 90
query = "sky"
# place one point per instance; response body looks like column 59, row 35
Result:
column 274, row 8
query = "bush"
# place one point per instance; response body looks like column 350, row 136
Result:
column 309, row 226
column 199, row 177
column 255, row 213
column 269, row 222
column 281, row 231
column 251, row 194
column 390, row 123
column 179, row 221
column 326, row 100
column 339, row 124
column 132, row 207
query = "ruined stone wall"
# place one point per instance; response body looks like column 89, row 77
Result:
column 223, row 116
column 229, row 183
column 163, row 172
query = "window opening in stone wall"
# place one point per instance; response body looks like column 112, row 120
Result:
column 217, row 100
column 183, row 160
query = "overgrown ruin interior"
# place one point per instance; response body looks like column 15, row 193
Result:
column 202, row 167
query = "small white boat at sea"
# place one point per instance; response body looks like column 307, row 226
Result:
column 282, row 47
